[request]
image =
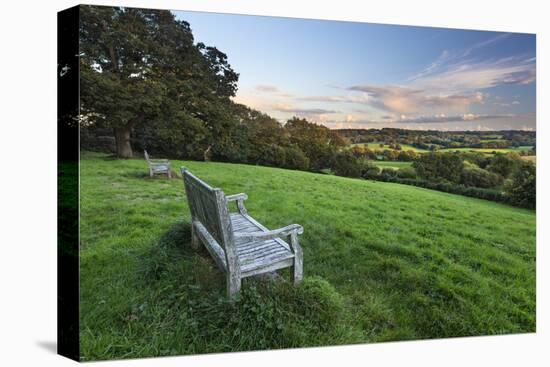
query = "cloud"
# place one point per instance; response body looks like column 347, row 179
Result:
column 464, row 77
column 444, row 56
column 455, row 118
column 459, row 71
column 271, row 89
column 267, row 88
column 390, row 98
column 463, row 121
column 400, row 100
column 363, row 98
column 505, row 104
column 485, row 43
column 301, row 111
column 466, row 70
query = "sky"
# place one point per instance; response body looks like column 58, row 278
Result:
column 364, row 75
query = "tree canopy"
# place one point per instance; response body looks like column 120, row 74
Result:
column 140, row 67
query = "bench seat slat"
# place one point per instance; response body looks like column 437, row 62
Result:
column 265, row 249
column 257, row 246
column 252, row 226
column 254, row 255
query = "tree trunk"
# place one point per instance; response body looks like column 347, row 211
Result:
column 123, row 147
column 206, row 154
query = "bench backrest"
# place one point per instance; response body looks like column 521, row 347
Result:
column 209, row 206
column 146, row 155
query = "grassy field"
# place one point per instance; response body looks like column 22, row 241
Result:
column 376, row 146
column 489, row 150
column 492, row 137
column 392, row 164
column 382, row 262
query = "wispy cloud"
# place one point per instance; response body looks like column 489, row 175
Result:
column 302, row 111
column 400, row 100
column 467, row 76
column 271, row 89
column 363, row 98
column 461, row 121
column 485, row 43
column 455, row 118
column 267, row 88
column 465, row 70
column 440, row 60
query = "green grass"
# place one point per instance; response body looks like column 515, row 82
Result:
column 489, row 150
column 493, row 140
column 391, row 164
column 382, row 262
column 494, row 136
column 404, row 147
column 376, row 146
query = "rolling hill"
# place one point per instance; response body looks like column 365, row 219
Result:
column 382, row 262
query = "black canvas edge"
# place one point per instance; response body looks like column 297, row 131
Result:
column 68, row 341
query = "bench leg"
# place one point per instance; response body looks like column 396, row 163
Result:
column 194, row 238
column 296, row 270
column 150, row 173
column 169, row 174
column 233, row 285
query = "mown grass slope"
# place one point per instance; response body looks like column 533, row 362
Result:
column 382, row 262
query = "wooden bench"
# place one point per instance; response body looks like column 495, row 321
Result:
column 158, row 166
column 240, row 246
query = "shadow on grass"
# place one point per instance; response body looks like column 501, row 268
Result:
column 185, row 294
column 173, row 246
column 110, row 157
column 145, row 175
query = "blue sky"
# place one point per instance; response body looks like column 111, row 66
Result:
column 362, row 75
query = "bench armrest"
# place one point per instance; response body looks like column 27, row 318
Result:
column 236, row 197
column 159, row 161
column 239, row 198
column 276, row 233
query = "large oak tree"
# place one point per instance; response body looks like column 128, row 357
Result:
column 140, row 68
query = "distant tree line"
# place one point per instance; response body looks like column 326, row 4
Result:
column 435, row 139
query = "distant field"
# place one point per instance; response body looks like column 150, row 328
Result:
column 376, row 146
column 490, row 150
column 490, row 137
column 389, row 164
column 493, row 140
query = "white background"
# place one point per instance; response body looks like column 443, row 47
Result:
column 28, row 182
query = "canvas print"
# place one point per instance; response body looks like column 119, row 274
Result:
column 240, row 183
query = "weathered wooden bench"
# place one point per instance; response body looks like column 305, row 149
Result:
column 158, row 166
column 240, row 246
